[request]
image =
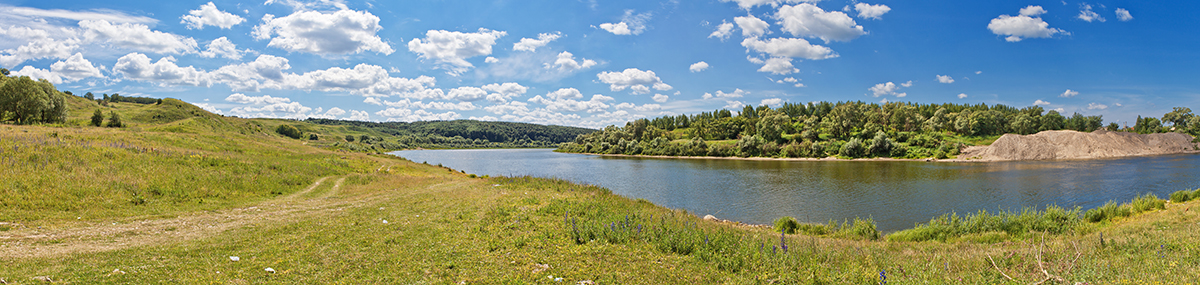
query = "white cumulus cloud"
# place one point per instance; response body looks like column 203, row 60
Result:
column 566, row 62
column 737, row 93
column 1026, row 25
column 222, row 47
column 340, row 32
column 789, row 47
column 209, row 15
column 808, row 20
column 771, row 102
column 1086, row 14
column 256, row 100
column 1096, row 106
column 698, row 67
column 136, row 37
column 136, row 66
column 451, row 49
column 945, row 79
column 1123, row 15
column 889, row 88
column 528, row 44
column 660, row 98
column 752, row 26
column 962, row 95
column 1069, row 93
column 632, row 78
column 723, row 31
column 868, row 11
column 779, row 65
column 630, row 24
column 1040, row 102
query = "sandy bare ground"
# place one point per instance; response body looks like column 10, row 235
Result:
column 1079, row 145
column 131, row 232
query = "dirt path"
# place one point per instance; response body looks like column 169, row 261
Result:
column 97, row 237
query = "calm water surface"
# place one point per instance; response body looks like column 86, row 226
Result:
column 896, row 194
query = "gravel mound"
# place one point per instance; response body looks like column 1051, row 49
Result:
column 1078, row 145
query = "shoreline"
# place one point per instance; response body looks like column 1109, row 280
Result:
column 831, row 158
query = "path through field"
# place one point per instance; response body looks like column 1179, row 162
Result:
column 130, row 232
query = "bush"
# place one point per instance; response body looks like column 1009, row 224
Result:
column 288, row 131
column 1181, row 196
column 1196, row 195
column 786, row 225
column 853, row 148
column 312, row 137
column 114, row 120
column 860, row 228
column 97, row 118
column 350, row 138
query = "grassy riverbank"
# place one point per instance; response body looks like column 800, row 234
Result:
column 135, row 205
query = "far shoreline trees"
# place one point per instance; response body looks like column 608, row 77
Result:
column 847, row 129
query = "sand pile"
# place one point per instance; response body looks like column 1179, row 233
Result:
column 1079, row 145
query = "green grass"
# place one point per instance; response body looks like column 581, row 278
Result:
column 445, row 227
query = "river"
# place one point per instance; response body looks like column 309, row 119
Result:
column 896, row 194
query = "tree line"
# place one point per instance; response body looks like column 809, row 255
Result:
column 467, row 133
column 850, row 129
column 27, row 101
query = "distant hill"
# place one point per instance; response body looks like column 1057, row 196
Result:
column 504, row 132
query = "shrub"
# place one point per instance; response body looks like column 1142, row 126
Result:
column 312, row 137
column 114, row 120
column 288, row 131
column 1181, row 196
column 864, row 228
column 350, row 138
column 853, row 148
column 97, row 118
column 786, row 225
column 1196, row 194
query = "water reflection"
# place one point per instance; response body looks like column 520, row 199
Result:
column 894, row 193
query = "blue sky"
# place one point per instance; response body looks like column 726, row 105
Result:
column 598, row 63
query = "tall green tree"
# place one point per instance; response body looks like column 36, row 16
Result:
column 26, row 101
column 1178, row 117
column 1023, row 124
column 1053, row 121
column 772, row 125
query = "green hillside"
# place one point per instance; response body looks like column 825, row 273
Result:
column 182, row 196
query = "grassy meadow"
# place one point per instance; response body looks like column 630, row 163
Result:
column 203, row 199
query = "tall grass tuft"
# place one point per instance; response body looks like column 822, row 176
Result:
column 1181, row 196
column 1053, row 219
column 1148, row 202
column 1107, row 212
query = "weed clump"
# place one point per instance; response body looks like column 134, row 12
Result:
column 1148, row 202
column 786, row 225
column 1053, row 219
column 1107, row 212
column 1181, row 196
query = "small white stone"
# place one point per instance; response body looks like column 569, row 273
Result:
column 270, row 270
column 235, row 258
column 384, row 221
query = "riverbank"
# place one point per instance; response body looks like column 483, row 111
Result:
column 415, row 223
column 381, row 219
column 1046, row 145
